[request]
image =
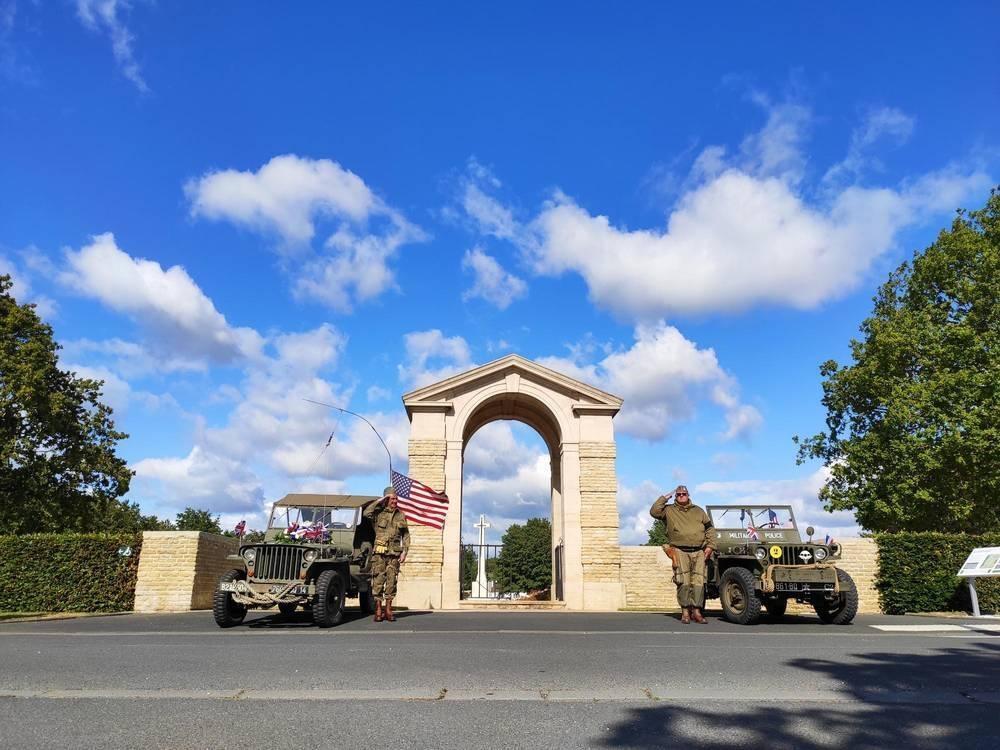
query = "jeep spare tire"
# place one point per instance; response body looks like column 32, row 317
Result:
column 740, row 602
column 839, row 611
column 227, row 612
column 328, row 606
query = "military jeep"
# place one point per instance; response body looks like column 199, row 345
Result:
column 752, row 574
column 316, row 553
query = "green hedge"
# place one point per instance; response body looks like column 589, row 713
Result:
column 68, row 572
column 916, row 573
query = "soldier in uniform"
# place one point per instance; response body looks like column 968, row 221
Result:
column 392, row 542
column 690, row 542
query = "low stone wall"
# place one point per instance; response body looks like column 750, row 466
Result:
column 178, row 570
column 647, row 577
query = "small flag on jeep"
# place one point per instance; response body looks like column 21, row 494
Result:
column 240, row 528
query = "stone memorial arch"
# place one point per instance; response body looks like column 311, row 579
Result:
column 575, row 421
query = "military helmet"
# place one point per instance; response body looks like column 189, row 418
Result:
column 389, row 491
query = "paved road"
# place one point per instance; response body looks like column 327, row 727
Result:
column 524, row 679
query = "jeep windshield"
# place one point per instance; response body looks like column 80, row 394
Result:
column 773, row 523
column 333, row 518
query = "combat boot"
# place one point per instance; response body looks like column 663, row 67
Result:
column 696, row 616
column 378, row 611
column 388, row 611
column 685, row 616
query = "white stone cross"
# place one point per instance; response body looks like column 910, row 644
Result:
column 480, row 587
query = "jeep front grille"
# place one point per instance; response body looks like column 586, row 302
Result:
column 790, row 555
column 277, row 562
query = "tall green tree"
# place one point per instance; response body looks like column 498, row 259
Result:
column 58, row 466
column 913, row 423
column 193, row 519
column 525, row 562
column 657, row 534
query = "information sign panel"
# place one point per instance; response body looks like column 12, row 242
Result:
column 983, row 561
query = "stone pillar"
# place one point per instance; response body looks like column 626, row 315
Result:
column 599, row 526
column 420, row 579
column 178, row 570
column 571, row 531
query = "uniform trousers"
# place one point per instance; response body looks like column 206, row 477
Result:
column 385, row 570
column 689, row 575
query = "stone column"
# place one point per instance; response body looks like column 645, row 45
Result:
column 420, row 582
column 599, row 526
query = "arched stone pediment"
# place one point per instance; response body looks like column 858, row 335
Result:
column 575, row 420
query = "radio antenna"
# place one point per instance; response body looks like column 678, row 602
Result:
column 354, row 414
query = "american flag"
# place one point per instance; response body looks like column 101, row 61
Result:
column 419, row 502
column 240, row 528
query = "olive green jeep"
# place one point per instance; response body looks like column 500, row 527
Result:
column 761, row 562
column 316, row 553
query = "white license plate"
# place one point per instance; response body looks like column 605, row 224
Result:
column 233, row 586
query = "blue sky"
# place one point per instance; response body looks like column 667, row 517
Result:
column 225, row 209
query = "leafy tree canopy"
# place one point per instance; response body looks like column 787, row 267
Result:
column 193, row 519
column 58, row 467
column 525, row 562
column 657, row 534
column 913, row 423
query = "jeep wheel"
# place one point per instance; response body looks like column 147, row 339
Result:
column 287, row 609
column 776, row 606
column 328, row 606
column 842, row 610
column 740, row 603
column 225, row 611
column 367, row 602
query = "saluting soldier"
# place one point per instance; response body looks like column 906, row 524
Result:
column 690, row 542
column 392, row 542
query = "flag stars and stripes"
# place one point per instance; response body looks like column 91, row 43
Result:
column 418, row 502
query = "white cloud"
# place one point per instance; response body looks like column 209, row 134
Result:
column 272, row 434
column 107, row 17
column 129, row 358
column 285, row 196
column 432, row 356
column 201, row 479
column 802, row 494
column 166, row 302
column 494, row 452
column 511, row 498
column 288, row 197
column 491, row 282
column 358, row 269
column 661, row 377
column 22, row 287
column 880, row 123
column 745, row 231
column 633, row 511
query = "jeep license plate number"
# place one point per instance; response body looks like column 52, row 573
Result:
column 228, row 586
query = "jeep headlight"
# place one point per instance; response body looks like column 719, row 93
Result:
column 760, row 553
column 309, row 555
column 249, row 554
column 820, row 553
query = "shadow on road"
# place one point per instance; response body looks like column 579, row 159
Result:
column 302, row 619
column 888, row 700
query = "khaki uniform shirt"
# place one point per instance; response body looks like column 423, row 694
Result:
column 392, row 535
column 687, row 525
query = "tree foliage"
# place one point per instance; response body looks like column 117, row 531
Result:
column 913, row 423
column 58, row 467
column 193, row 519
column 657, row 534
column 525, row 562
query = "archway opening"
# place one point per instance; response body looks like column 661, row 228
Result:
column 511, row 504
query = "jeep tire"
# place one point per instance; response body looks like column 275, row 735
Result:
column 328, row 605
column 367, row 601
column 841, row 612
column 776, row 606
column 740, row 602
column 226, row 612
